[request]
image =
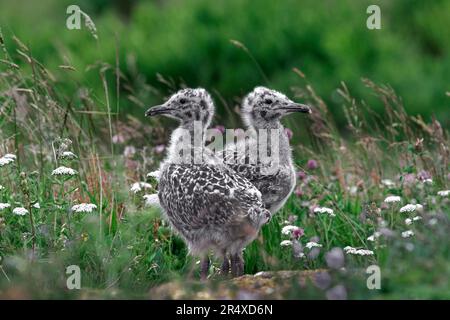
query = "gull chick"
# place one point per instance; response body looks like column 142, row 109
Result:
column 206, row 203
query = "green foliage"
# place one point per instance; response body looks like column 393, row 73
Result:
column 189, row 41
column 58, row 84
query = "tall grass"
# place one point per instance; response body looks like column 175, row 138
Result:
column 124, row 249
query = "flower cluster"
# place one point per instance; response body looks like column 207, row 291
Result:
column 7, row 159
column 84, row 207
column 392, row 199
column 411, row 208
column 139, row 186
column 360, row 252
column 64, row 171
column 328, row 211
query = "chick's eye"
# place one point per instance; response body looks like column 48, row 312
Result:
column 182, row 101
column 268, row 101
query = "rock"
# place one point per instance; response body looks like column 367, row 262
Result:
column 262, row 285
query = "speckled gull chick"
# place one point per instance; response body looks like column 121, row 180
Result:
column 263, row 108
column 207, row 204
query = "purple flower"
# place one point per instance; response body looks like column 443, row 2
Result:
column 289, row 133
column 335, row 258
column 312, row 164
column 159, row 148
column 220, row 128
column 301, row 175
column 129, row 151
column 298, row 233
column 409, row 178
column 298, row 192
column 423, row 175
column 118, row 138
column 337, row 293
column 292, row 218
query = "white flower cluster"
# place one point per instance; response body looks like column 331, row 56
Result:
column 84, row 207
column 387, row 182
column 313, row 244
column 3, row 206
column 392, row 199
column 64, row 171
column 152, row 200
column 139, row 186
column 411, row 208
column 1, row 187
column 154, row 174
column 287, row 230
column 7, row 159
column 407, row 234
column 329, row 211
column 374, row 236
column 444, row 193
column 20, row 211
column 286, row 243
column 410, row 221
column 359, row 252
column 68, row 155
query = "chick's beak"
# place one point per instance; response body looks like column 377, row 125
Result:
column 157, row 110
column 297, row 107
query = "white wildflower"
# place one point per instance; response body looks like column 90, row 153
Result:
column 20, row 211
column 152, row 200
column 64, row 171
column 443, row 193
column 1, row 187
column 313, row 244
column 364, row 252
column 37, row 205
column 68, row 155
column 289, row 229
column 433, row 222
column 84, row 207
column 286, row 243
column 10, row 156
column 359, row 252
column 391, row 199
column 329, row 211
column 374, row 236
column 407, row 234
column 4, row 206
column 387, row 182
column 138, row 186
column 154, row 174
column 408, row 221
column 428, row 181
column 417, row 218
column 5, row 160
column 411, row 208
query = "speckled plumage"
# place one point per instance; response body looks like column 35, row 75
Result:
column 207, row 204
column 263, row 109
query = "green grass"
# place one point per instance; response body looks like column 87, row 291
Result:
column 125, row 249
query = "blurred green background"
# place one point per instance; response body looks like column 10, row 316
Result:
column 189, row 42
